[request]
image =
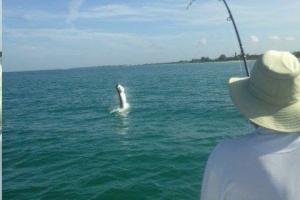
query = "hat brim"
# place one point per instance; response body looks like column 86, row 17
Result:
column 279, row 118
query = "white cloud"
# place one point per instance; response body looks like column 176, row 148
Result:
column 118, row 40
column 254, row 39
column 162, row 11
column 200, row 13
column 207, row 13
column 74, row 7
column 39, row 15
column 115, row 10
column 289, row 38
column 203, row 41
column 274, row 37
column 98, row 47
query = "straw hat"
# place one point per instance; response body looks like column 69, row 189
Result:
column 270, row 97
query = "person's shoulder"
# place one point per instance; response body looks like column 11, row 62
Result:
column 233, row 143
column 229, row 148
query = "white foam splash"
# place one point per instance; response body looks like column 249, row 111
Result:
column 121, row 111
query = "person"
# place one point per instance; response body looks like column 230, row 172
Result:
column 263, row 165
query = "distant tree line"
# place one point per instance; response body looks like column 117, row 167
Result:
column 223, row 58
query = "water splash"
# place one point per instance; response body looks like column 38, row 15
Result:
column 123, row 112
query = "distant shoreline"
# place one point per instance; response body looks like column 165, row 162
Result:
column 221, row 58
column 125, row 65
column 224, row 58
column 191, row 62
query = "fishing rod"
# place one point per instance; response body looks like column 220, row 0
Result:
column 236, row 32
column 238, row 36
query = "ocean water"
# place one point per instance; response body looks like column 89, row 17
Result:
column 61, row 139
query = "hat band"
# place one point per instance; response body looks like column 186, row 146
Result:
column 260, row 94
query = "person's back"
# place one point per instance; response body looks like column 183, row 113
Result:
column 263, row 165
column 258, row 166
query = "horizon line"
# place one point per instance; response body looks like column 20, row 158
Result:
column 154, row 63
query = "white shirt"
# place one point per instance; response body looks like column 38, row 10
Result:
column 263, row 165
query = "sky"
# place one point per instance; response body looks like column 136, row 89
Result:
column 60, row 34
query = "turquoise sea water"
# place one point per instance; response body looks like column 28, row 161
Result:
column 61, row 141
